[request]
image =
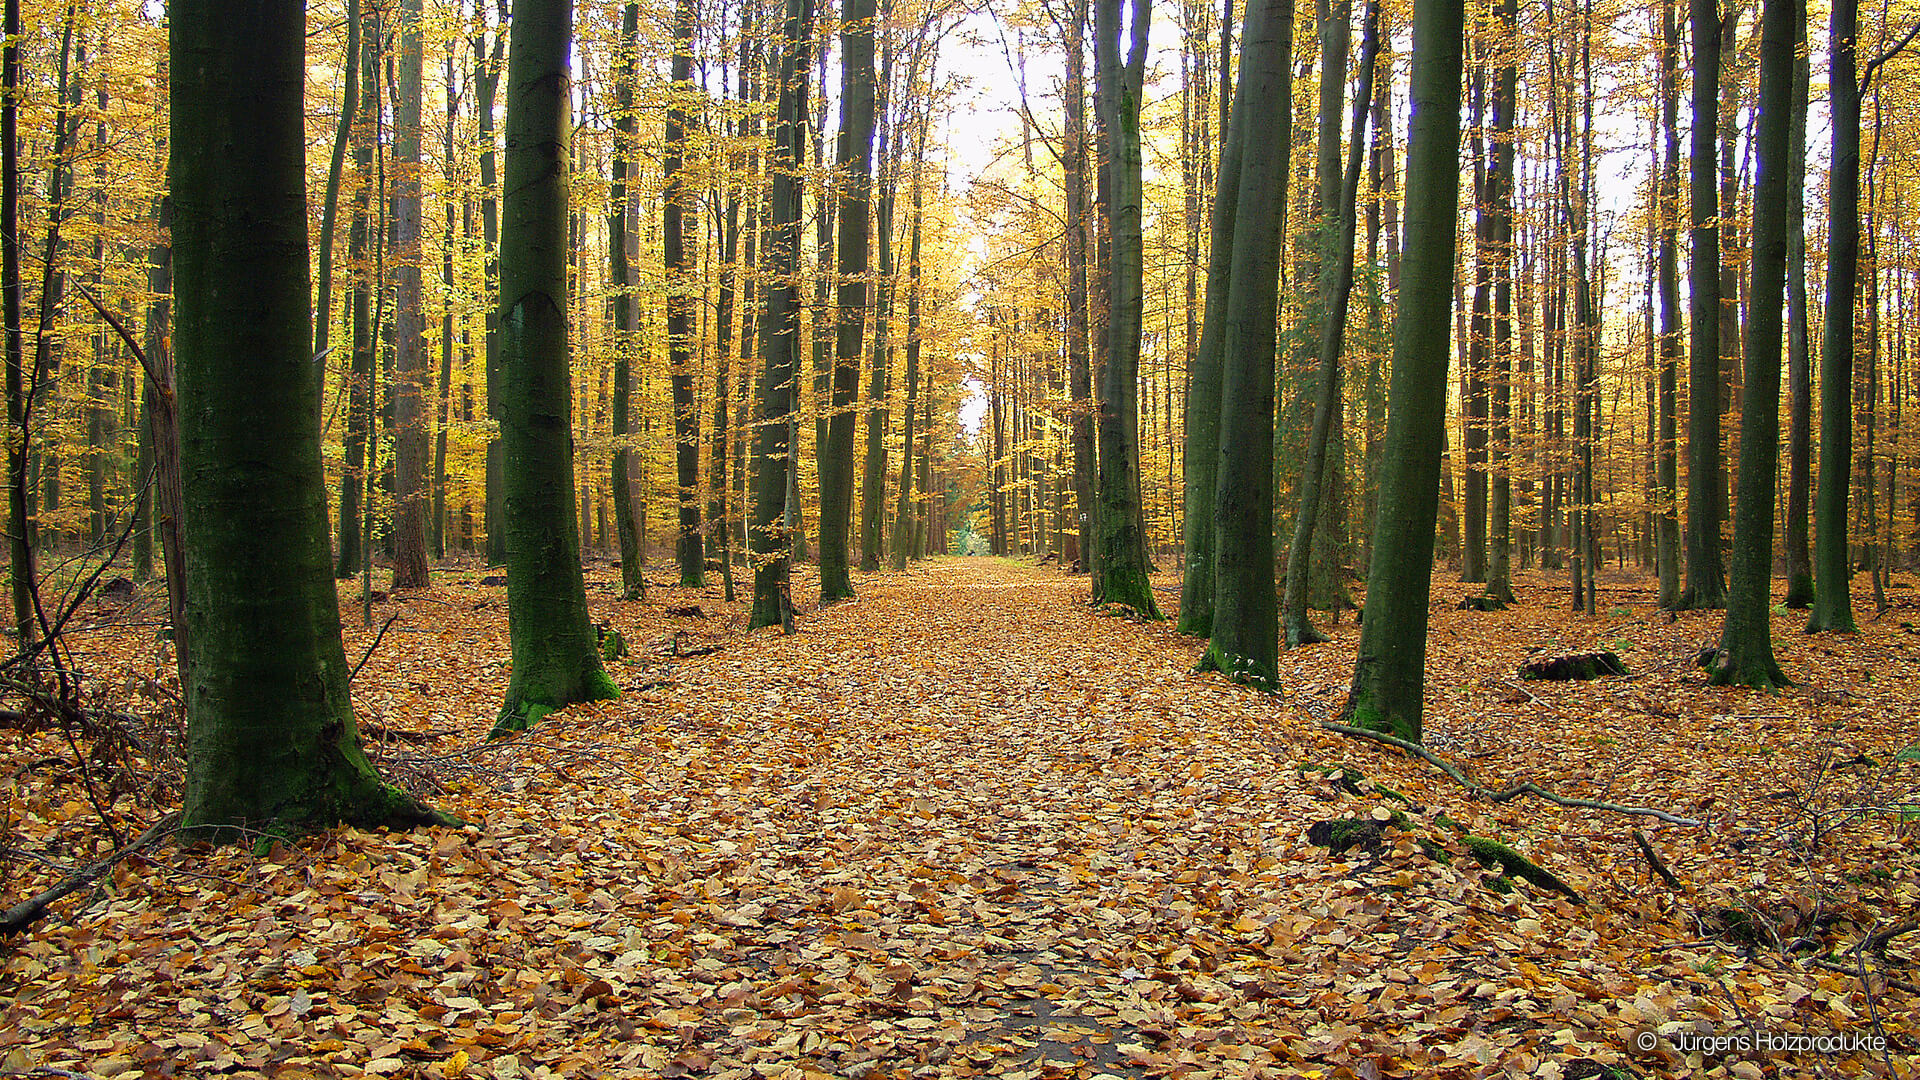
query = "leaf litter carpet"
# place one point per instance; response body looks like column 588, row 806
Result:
column 967, row 826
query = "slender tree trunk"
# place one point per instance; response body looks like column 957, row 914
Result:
column 1500, row 185
column 330, row 204
column 1832, row 569
column 676, row 199
column 409, row 360
column 353, row 478
column 904, row 546
column 1666, row 467
column 486, row 77
column 633, row 582
column 1337, row 291
column 437, row 535
column 1390, row 666
column 19, row 511
column 270, row 729
column 1799, row 373
column 1075, row 168
column 1706, row 493
column 555, row 660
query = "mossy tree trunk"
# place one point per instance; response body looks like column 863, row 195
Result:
column 1390, row 667
column 270, row 730
column 1336, row 291
column 555, row 659
column 1120, row 558
column 1245, row 619
column 1746, row 640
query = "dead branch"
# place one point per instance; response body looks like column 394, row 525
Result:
column 1508, row 794
column 28, row 912
column 1654, row 860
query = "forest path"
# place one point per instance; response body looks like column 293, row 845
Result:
column 965, row 825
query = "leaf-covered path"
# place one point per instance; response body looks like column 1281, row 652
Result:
column 964, row 825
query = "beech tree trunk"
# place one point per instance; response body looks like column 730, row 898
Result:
column 1832, row 558
column 556, row 661
column 1390, row 667
column 271, row 736
column 1706, row 493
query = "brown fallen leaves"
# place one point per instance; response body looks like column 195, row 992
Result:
column 964, row 826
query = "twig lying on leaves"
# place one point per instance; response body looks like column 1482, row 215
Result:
column 28, row 912
column 1514, row 792
column 1654, row 860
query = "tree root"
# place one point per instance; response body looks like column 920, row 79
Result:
column 1508, row 794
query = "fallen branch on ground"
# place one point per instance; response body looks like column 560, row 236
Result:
column 1514, row 792
column 28, row 912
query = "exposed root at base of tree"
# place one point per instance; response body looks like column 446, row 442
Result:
column 1507, row 794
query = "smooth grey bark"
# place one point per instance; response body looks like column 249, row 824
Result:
column 1389, row 669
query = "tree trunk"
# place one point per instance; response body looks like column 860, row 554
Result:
column 1500, row 187
column 904, row 518
column 19, row 511
column 1074, row 168
column 409, row 332
column 853, row 167
column 1666, row 465
column 1337, row 291
column 1832, row 567
column 1799, row 374
column 1390, row 666
column 1746, row 641
column 780, row 333
column 633, row 583
column 360, row 233
column 271, row 736
column 1706, row 493
column 1120, row 562
column 555, row 659
column 676, row 199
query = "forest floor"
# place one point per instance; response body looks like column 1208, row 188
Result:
column 967, row 825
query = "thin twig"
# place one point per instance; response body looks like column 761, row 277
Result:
column 372, row 645
column 1654, row 860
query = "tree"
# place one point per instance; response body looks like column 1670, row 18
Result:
column 1745, row 657
column 1799, row 376
column 271, row 736
column 409, row 317
column 20, row 550
column 555, row 659
column 1706, row 583
column 853, row 165
column 1336, row 291
column 1120, row 562
column 1245, row 623
column 1667, row 466
column 681, row 299
column 1832, row 567
column 633, row 582
column 779, row 332
column 1390, row 666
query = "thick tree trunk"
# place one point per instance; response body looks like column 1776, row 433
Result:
column 270, row 730
column 1746, row 641
column 1390, row 668
column 1706, row 492
column 555, row 657
column 1245, row 625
